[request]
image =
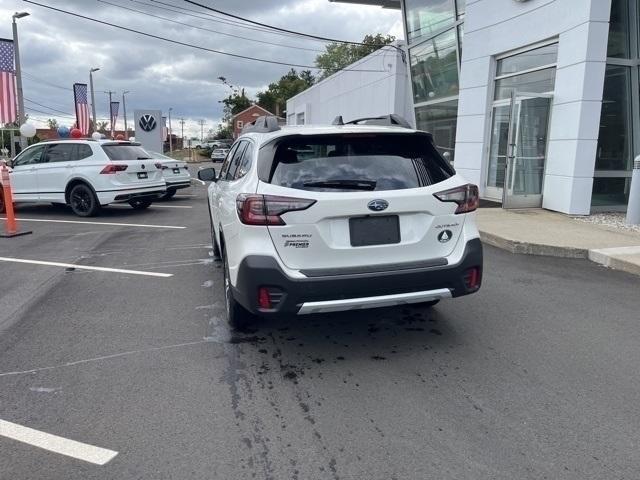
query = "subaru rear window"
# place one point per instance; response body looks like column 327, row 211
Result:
column 358, row 162
column 126, row 152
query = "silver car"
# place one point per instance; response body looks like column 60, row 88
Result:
column 219, row 154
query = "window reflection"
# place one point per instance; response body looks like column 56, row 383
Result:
column 619, row 30
column 434, row 68
column 440, row 121
column 425, row 17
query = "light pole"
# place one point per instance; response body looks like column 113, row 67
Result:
column 182, row 131
column 18, row 72
column 93, row 99
column 124, row 114
column 170, row 138
column 111, row 113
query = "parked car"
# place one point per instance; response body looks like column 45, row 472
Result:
column 86, row 175
column 202, row 145
column 175, row 173
column 219, row 154
column 374, row 217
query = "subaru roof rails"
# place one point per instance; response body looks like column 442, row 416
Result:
column 264, row 124
column 388, row 120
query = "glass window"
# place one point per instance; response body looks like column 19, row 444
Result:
column 123, row 151
column 615, row 137
column 539, row 57
column 440, row 120
column 300, row 119
column 59, row 152
column 460, row 7
column 434, row 68
column 619, row 32
column 460, row 40
column 425, row 17
column 342, row 163
column 84, row 151
column 610, row 191
column 225, row 165
column 235, row 160
column 245, row 163
column 29, row 156
column 542, row 81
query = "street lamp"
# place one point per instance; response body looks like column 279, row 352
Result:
column 170, row 138
column 16, row 48
column 124, row 114
column 93, row 99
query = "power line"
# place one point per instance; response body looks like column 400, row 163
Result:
column 263, row 42
column 279, row 29
column 31, row 109
column 46, row 106
column 177, row 42
column 209, row 17
column 33, row 77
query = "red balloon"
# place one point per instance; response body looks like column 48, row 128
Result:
column 76, row 133
column 120, row 137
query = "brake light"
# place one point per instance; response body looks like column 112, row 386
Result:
column 473, row 278
column 264, row 299
column 113, row 168
column 466, row 197
column 266, row 209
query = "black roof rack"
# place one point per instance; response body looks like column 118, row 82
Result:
column 388, row 120
column 264, row 124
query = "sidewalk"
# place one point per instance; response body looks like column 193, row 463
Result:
column 541, row 232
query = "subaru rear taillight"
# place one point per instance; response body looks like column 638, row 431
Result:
column 473, row 278
column 465, row 196
column 113, row 168
column 267, row 209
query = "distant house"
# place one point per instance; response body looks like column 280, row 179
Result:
column 247, row 116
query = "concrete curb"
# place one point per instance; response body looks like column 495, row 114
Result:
column 609, row 257
column 525, row 248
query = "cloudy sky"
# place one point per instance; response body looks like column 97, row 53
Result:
column 58, row 49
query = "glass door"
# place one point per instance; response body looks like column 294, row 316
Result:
column 527, row 151
column 518, row 150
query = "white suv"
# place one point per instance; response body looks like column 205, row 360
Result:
column 86, row 174
column 350, row 216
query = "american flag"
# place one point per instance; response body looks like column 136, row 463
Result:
column 82, row 107
column 8, row 110
column 114, row 113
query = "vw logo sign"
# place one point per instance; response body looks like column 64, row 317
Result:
column 378, row 205
column 147, row 122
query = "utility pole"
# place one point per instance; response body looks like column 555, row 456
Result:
column 16, row 50
column 201, row 122
column 182, row 131
column 93, row 99
column 111, row 113
column 170, row 136
column 124, row 114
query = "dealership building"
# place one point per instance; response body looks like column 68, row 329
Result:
column 536, row 101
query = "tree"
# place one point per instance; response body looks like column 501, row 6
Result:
column 103, row 127
column 224, row 131
column 53, row 123
column 340, row 55
column 235, row 102
column 275, row 97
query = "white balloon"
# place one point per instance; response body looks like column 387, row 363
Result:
column 96, row 135
column 27, row 130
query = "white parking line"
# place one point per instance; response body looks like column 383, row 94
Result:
column 171, row 206
column 54, row 443
column 85, row 267
column 97, row 223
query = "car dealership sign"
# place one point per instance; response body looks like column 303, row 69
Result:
column 149, row 129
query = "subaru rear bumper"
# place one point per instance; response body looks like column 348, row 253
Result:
column 353, row 291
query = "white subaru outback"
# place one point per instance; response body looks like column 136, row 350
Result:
column 349, row 216
column 86, row 174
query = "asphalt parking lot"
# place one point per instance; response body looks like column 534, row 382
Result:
column 121, row 350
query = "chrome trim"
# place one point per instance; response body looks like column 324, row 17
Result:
column 373, row 302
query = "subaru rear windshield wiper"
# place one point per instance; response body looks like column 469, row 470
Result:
column 344, row 184
column 143, row 158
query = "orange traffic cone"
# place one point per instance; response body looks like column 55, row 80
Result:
column 6, row 199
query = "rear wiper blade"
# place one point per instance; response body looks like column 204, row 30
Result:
column 346, row 184
column 143, row 158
